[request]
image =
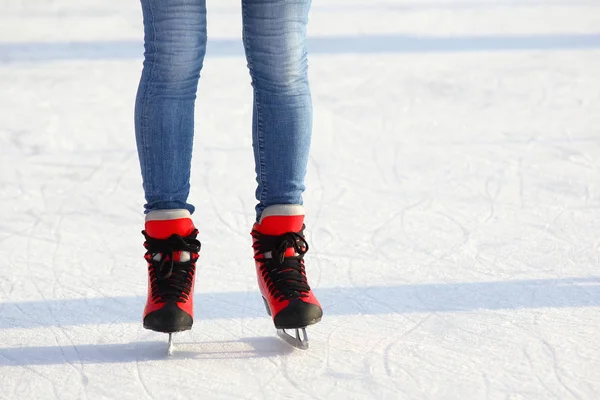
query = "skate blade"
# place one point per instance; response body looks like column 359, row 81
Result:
column 171, row 347
column 296, row 341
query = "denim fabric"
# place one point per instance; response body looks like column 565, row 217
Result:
column 274, row 37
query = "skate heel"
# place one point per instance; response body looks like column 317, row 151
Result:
column 267, row 306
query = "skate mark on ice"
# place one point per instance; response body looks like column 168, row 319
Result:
column 267, row 346
column 556, row 371
column 549, row 391
column 138, row 373
column 542, row 369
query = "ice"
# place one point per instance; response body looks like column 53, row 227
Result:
column 453, row 207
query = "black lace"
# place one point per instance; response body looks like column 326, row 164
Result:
column 170, row 279
column 285, row 276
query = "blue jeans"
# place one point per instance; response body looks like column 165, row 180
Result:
column 274, row 37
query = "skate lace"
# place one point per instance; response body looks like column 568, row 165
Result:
column 170, row 279
column 285, row 276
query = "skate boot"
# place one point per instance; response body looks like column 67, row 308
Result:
column 279, row 248
column 171, row 253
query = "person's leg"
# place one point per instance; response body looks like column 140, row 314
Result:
column 275, row 43
column 274, row 36
column 175, row 44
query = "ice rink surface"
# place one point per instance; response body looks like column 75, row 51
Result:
column 453, row 207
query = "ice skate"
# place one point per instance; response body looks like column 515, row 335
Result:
column 171, row 253
column 279, row 248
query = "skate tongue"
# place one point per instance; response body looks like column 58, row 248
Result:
column 278, row 224
column 281, row 218
column 163, row 223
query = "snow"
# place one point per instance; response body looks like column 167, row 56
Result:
column 453, row 207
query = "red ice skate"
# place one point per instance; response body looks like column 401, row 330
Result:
column 279, row 248
column 172, row 252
